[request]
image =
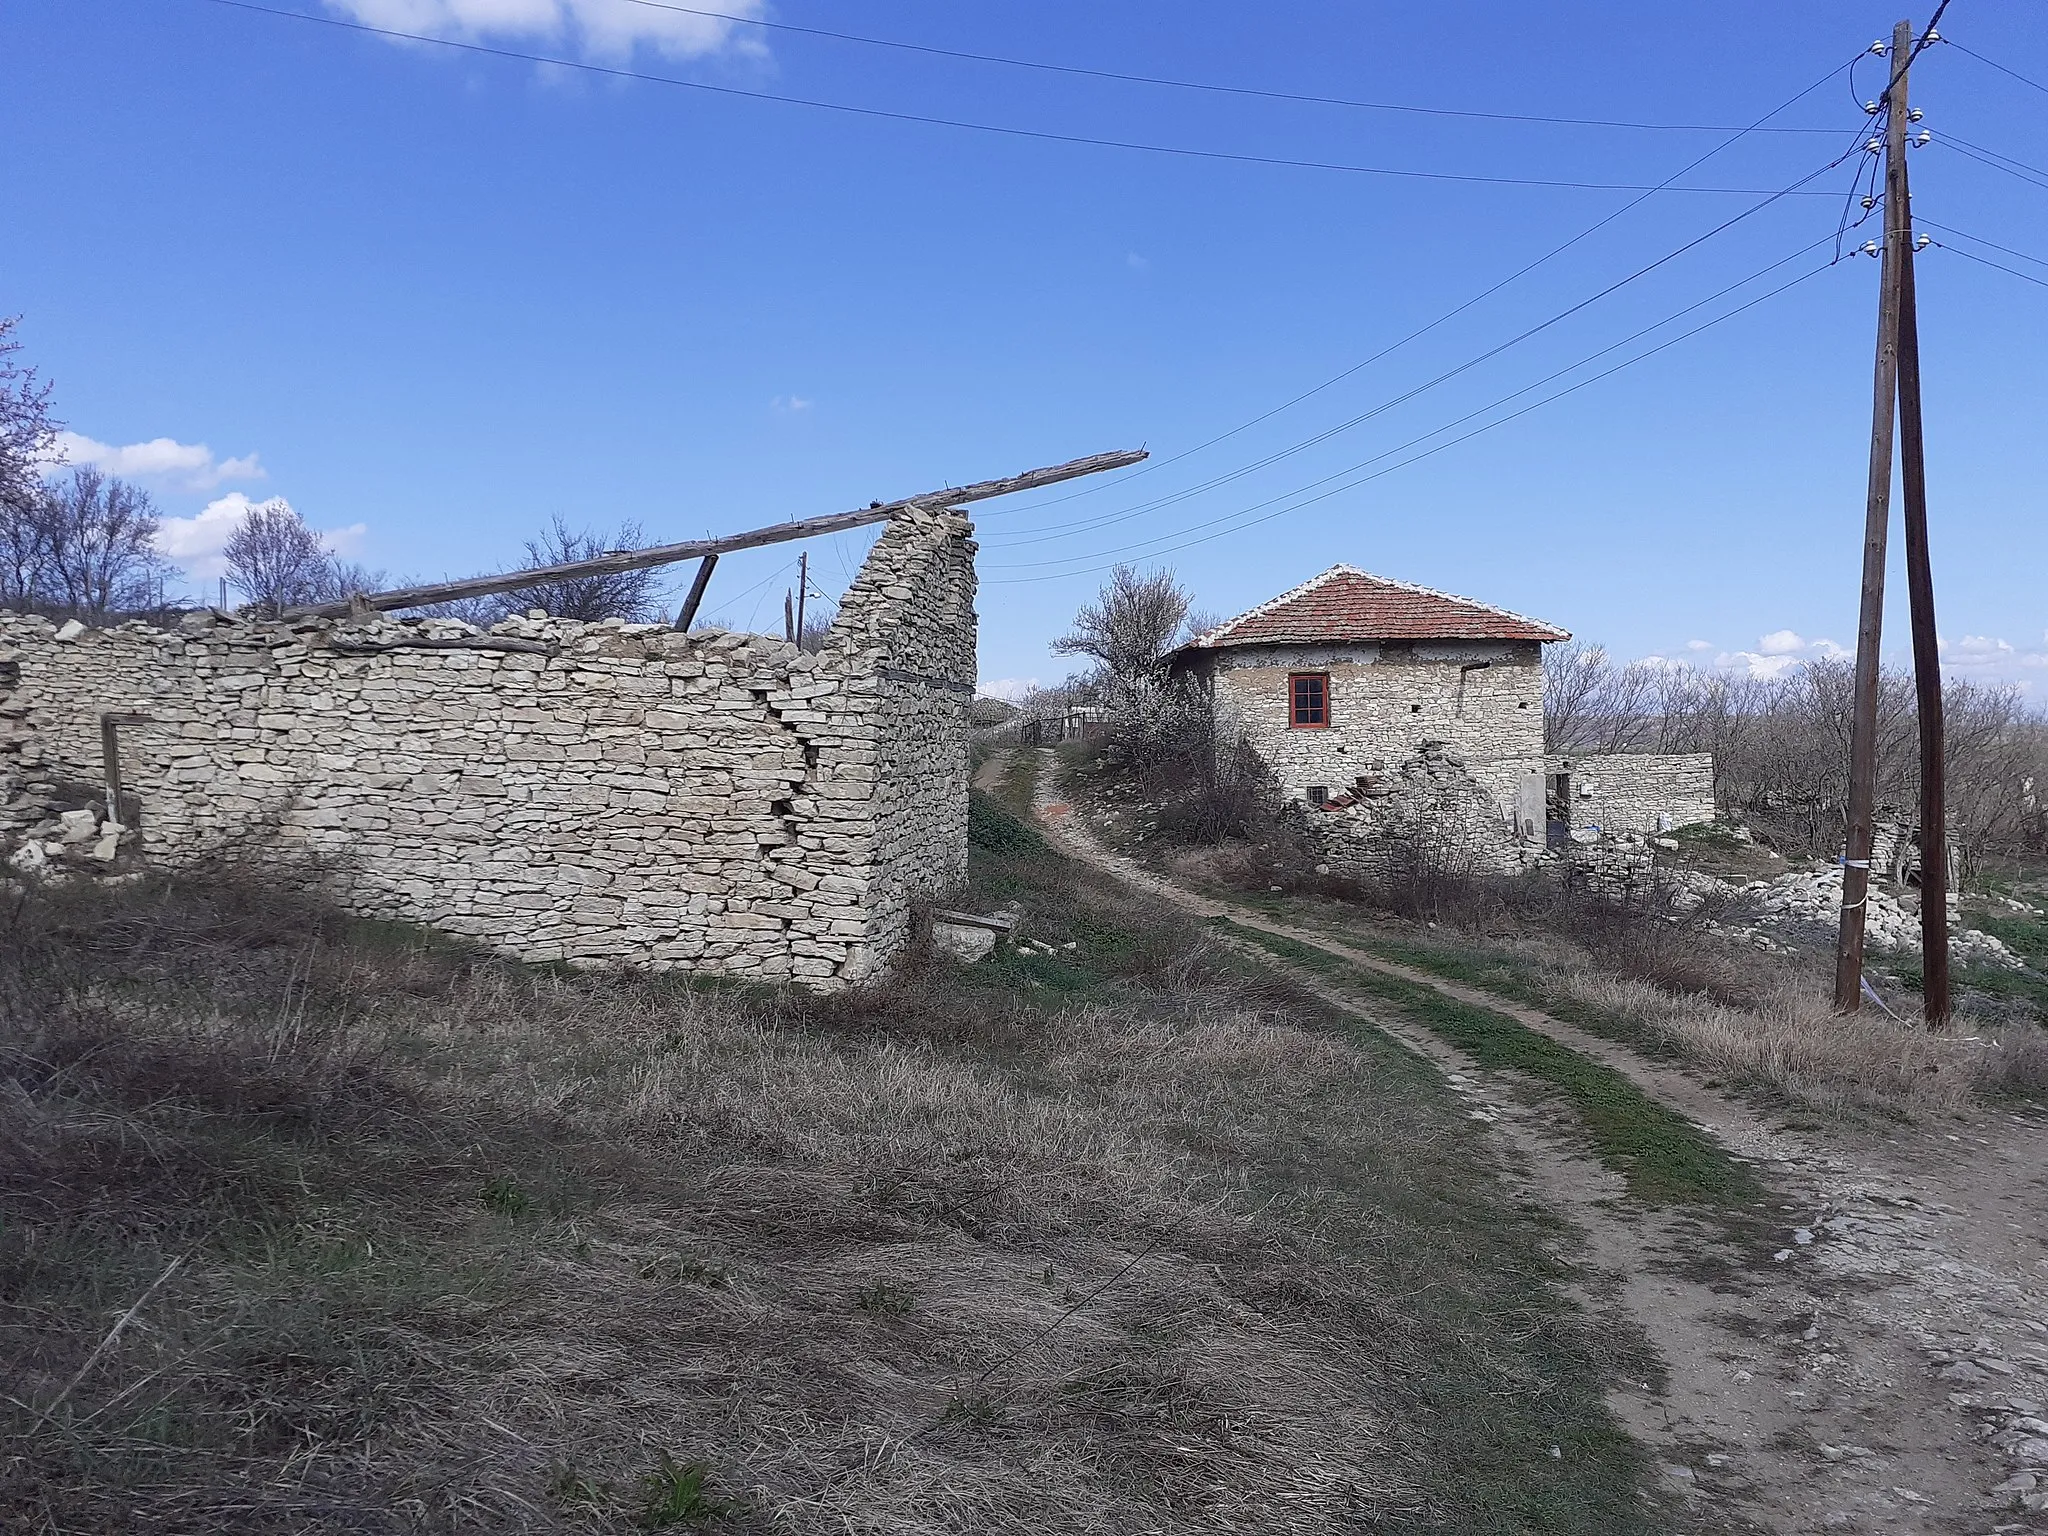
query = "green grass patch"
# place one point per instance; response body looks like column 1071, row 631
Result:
column 1665, row 1158
column 1518, row 981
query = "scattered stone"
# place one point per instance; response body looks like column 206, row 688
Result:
column 77, row 826
column 68, row 632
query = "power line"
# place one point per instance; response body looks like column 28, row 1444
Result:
column 1985, row 159
column 1129, row 78
column 1978, row 239
column 1982, row 261
column 1482, row 410
column 1973, row 53
column 2020, row 165
column 1039, row 535
column 1448, row 315
column 1426, row 453
column 926, row 120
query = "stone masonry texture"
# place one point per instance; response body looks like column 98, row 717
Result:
column 620, row 795
column 1639, row 792
column 1386, row 699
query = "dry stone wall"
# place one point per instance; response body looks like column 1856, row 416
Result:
column 607, row 794
column 1639, row 792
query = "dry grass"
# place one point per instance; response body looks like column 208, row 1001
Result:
column 414, row 1239
column 1794, row 1043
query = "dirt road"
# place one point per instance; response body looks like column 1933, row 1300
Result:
column 1872, row 1358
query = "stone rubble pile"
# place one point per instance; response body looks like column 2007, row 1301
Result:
column 1805, row 903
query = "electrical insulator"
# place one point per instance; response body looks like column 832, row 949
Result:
column 1923, row 242
column 1874, row 145
column 1880, row 47
column 1932, row 36
column 1872, row 248
column 1872, row 108
column 1915, row 115
column 1921, row 138
column 1869, row 203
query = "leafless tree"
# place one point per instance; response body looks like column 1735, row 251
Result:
column 26, row 426
column 1132, row 623
column 620, row 595
column 276, row 561
column 1575, row 681
column 99, row 545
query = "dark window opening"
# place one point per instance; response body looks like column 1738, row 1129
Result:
column 1414, row 709
column 1319, row 794
column 1308, row 695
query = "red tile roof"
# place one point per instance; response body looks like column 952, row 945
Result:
column 1345, row 603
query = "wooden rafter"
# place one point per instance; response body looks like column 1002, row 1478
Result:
column 698, row 549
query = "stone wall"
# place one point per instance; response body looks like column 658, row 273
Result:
column 1426, row 817
column 1482, row 700
column 1640, row 792
column 605, row 794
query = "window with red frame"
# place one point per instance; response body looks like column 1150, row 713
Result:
column 1308, row 700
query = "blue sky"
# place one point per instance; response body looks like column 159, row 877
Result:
column 434, row 297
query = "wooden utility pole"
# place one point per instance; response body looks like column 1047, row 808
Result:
column 803, row 590
column 1876, row 524
column 1934, row 987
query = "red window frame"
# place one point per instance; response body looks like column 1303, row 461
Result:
column 1308, row 701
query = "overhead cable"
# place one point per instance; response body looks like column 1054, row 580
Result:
column 1920, row 218
column 1440, row 447
column 1973, row 53
column 1041, row 135
column 1038, row 534
column 1549, row 378
column 1982, row 261
column 1447, row 316
column 1213, row 87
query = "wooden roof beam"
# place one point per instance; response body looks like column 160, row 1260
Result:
column 696, row 549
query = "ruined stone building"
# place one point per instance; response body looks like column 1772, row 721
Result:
column 603, row 793
column 1359, row 693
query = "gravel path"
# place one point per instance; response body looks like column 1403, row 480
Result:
column 1876, row 1360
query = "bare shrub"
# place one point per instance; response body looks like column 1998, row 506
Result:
column 626, row 595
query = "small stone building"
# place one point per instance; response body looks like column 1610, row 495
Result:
column 1388, row 704
column 1338, row 683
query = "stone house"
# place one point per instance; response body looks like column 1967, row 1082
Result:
column 1357, row 691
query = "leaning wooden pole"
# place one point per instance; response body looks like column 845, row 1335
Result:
column 697, row 549
column 1862, row 810
column 1934, row 896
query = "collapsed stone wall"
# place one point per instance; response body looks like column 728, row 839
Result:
column 1427, row 816
column 606, row 793
column 1639, row 792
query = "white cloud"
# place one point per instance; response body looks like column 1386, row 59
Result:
column 1010, row 688
column 195, row 543
column 1699, row 645
column 789, row 405
column 1986, row 659
column 609, row 29
column 345, row 541
column 1778, row 653
column 1781, row 642
column 1136, row 262
column 183, row 466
